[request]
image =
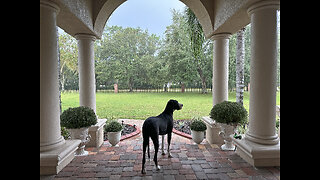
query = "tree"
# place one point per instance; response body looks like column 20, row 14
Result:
column 68, row 53
column 198, row 45
column 232, row 84
column 240, row 65
column 123, row 56
column 175, row 51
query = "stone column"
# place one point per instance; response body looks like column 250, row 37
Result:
column 261, row 145
column 87, row 82
column 220, row 67
column 219, row 82
column 263, row 70
column 50, row 137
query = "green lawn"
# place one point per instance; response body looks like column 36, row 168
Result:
column 143, row 105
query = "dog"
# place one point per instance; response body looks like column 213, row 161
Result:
column 159, row 125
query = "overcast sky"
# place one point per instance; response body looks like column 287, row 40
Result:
column 154, row 15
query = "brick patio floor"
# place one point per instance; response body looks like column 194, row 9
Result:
column 190, row 161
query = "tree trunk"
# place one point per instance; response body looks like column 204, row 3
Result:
column 203, row 81
column 130, row 84
column 240, row 66
column 204, row 85
column 61, row 83
column 182, row 87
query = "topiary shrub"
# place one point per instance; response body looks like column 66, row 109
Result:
column 198, row 125
column 229, row 113
column 113, row 126
column 78, row 117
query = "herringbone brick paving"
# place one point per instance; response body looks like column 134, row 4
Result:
column 190, row 161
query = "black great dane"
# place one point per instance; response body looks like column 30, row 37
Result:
column 155, row 126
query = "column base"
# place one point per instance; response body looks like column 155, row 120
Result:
column 258, row 155
column 50, row 146
column 53, row 161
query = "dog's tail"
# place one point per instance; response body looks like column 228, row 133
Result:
column 146, row 137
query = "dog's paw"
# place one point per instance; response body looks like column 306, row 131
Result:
column 143, row 171
column 163, row 153
column 158, row 168
column 169, row 155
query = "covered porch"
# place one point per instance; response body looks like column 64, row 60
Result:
column 190, row 161
column 85, row 21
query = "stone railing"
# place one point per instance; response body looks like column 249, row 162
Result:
column 96, row 133
column 212, row 132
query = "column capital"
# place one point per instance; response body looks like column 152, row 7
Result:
column 82, row 36
column 221, row 36
column 275, row 4
column 50, row 5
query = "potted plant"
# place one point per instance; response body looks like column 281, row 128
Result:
column 228, row 115
column 77, row 121
column 198, row 128
column 113, row 129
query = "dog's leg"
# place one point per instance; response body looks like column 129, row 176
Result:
column 149, row 151
column 145, row 144
column 156, row 149
column 169, row 141
column 162, row 146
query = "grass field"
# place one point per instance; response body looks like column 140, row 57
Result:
column 143, row 105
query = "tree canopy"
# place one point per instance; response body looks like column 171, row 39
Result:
column 134, row 58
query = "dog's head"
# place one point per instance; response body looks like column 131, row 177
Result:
column 174, row 104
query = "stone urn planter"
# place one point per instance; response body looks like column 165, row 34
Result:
column 113, row 129
column 83, row 135
column 226, row 134
column 228, row 115
column 77, row 121
column 198, row 128
column 114, row 137
column 197, row 136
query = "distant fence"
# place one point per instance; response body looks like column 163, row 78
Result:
column 160, row 90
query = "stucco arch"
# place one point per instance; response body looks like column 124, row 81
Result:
column 104, row 10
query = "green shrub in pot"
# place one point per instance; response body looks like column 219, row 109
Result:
column 78, row 117
column 198, row 128
column 198, row 125
column 229, row 113
column 113, row 129
column 77, row 121
column 113, row 126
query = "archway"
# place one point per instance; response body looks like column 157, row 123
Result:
column 200, row 10
column 219, row 18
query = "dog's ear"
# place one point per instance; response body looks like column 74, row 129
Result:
column 174, row 104
column 170, row 104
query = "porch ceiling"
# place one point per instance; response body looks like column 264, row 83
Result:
column 90, row 16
